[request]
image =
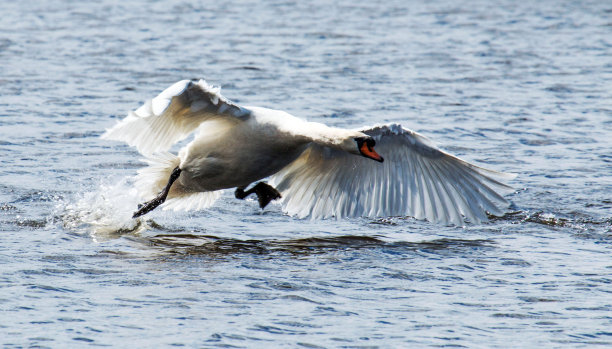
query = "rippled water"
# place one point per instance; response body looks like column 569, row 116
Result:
column 511, row 86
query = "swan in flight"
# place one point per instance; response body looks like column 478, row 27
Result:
column 314, row 170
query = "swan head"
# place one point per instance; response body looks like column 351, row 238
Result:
column 364, row 146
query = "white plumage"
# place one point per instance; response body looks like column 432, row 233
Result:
column 320, row 171
column 416, row 179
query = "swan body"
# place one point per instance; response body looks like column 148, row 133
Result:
column 315, row 170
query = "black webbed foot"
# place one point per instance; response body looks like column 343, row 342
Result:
column 265, row 193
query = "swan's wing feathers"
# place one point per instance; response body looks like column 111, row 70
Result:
column 173, row 115
column 198, row 99
column 416, row 179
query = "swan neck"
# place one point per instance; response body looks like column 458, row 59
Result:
column 326, row 135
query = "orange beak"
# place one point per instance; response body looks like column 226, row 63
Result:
column 369, row 152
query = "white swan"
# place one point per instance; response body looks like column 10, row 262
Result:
column 315, row 170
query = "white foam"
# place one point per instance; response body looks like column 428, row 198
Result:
column 105, row 212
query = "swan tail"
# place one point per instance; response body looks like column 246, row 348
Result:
column 192, row 201
column 151, row 180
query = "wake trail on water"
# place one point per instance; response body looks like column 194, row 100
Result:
column 104, row 212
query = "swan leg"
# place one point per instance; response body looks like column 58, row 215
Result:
column 241, row 194
column 160, row 198
column 265, row 193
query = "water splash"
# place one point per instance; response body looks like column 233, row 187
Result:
column 104, row 213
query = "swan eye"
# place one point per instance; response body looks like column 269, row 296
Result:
column 369, row 142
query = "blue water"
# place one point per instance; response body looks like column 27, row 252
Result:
column 516, row 87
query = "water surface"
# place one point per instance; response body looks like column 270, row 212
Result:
column 523, row 88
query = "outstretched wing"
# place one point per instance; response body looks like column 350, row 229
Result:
column 416, row 179
column 173, row 115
